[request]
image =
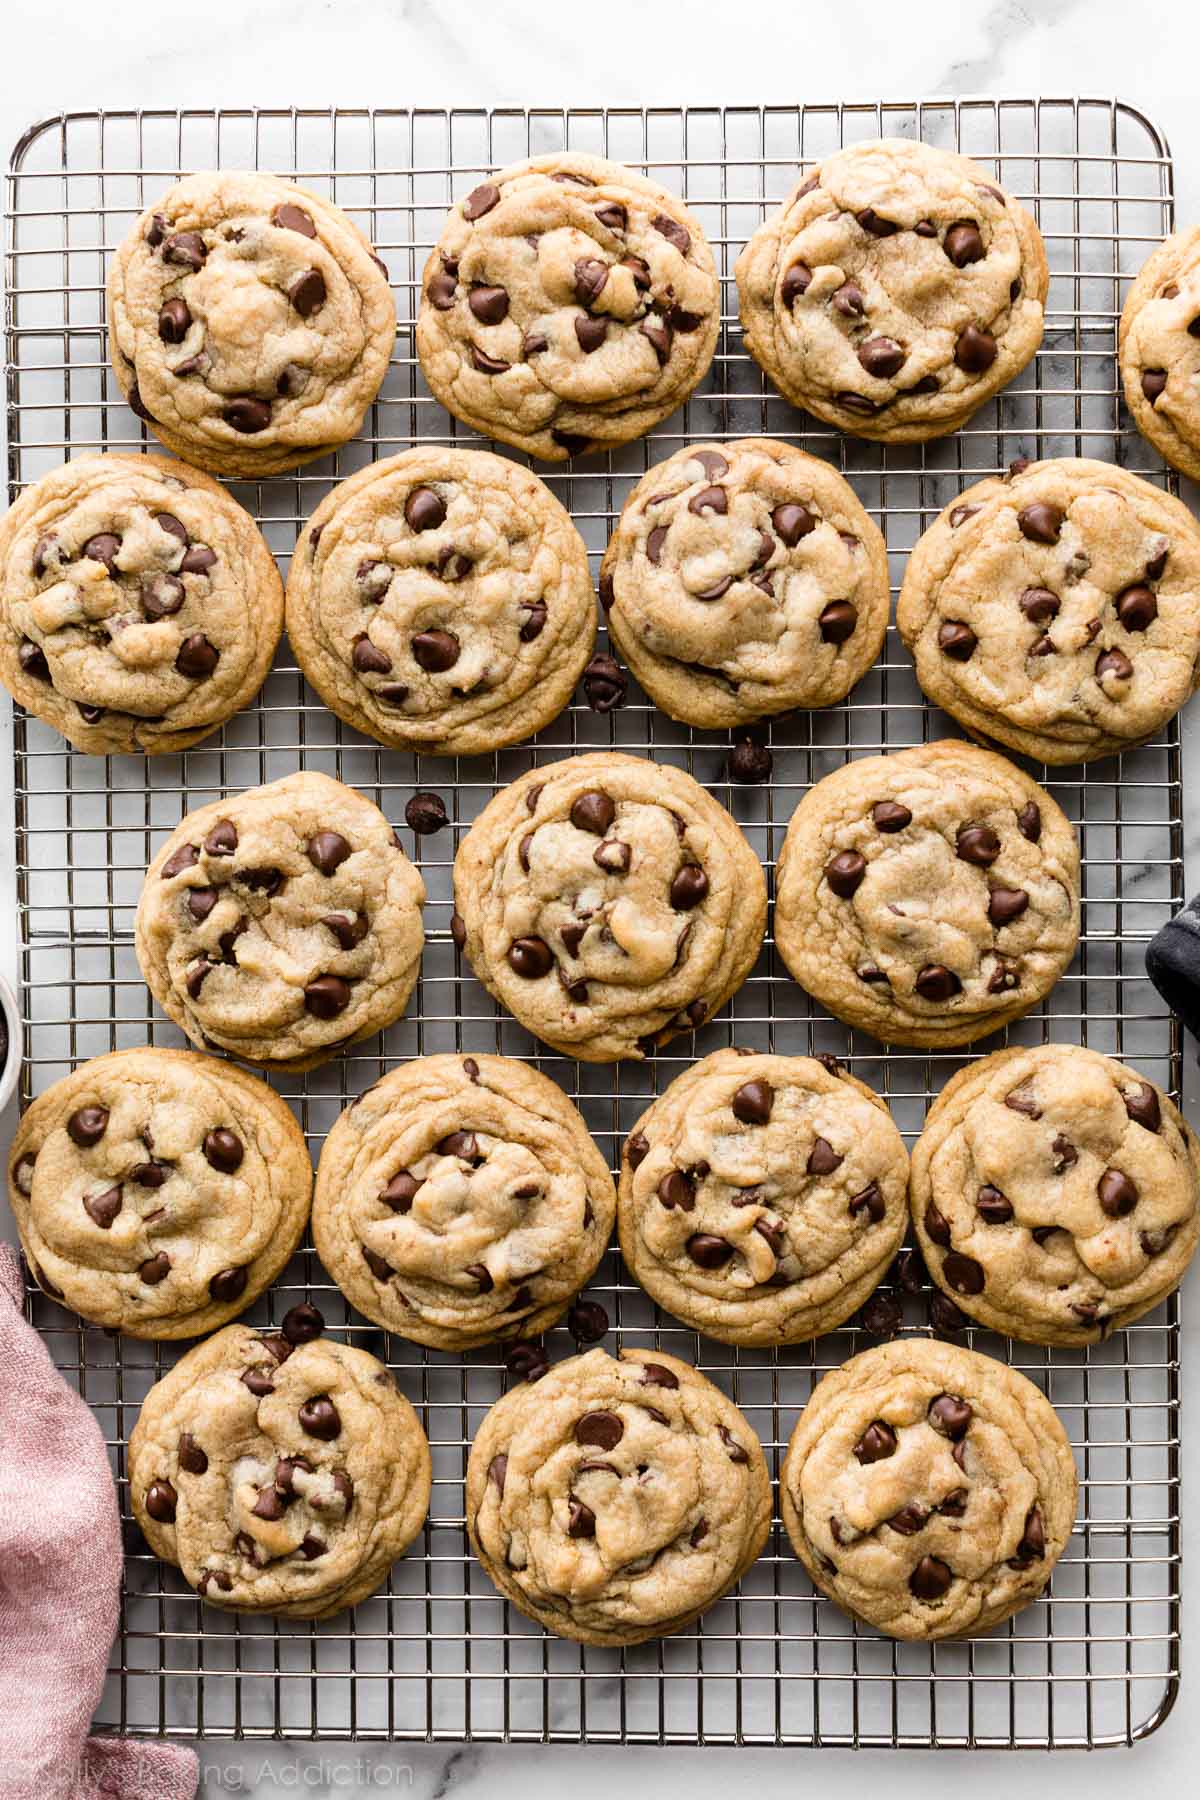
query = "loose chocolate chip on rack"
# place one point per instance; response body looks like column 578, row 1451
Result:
column 526, row 1361
column 882, row 1316
column 587, row 1321
column 750, row 762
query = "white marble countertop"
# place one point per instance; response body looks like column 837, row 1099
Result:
column 61, row 54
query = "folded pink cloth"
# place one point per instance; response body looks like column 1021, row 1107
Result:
column 60, row 1575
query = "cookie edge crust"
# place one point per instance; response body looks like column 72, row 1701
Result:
column 165, row 994
column 474, row 739
column 265, row 602
column 976, row 1076
column 758, row 337
column 792, row 923
column 207, row 1361
column 472, row 869
column 239, row 464
column 757, row 1534
column 542, row 444
column 566, row 1116
column 666, row 1290
column 1059, row 1513
column 697, row 700
column 1157, row 430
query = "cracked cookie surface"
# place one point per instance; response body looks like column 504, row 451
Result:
column 1054, row 1193
column 1057, row 610
column 570, row 304
column 929, row 896
column 158, row 1192
column 250, row 322
column 744, row 579
column 441, row 601
column 895, row 291
column 763, row 1197
column 282, row 923
column 1158, row 352
column 608, row 902
column 613, row 1501
column 281, row 1472
column 461, row 1200
column 139, row 605
column 928, row 1490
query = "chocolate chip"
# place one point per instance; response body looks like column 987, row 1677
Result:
column 498, row 1471
column 320, row 1418
column 87, row 1126
column 707, row 1251
column 490, row 307
column 326, row 996
column 591, row 279
column 161, row 595
column 224, row 1150
column 530, row 957
column 963, row 243
column 823, row 1159
column 1041, row 522
column 993, row 1206
column 612, row 214
column 930, row 1579
column 368, row 659
column 1039, row 605
column 161, row 1502
column 307, row 292
column 156, row 230
column 174, row 318
column 1143, row 1107
column 882, row 1316
column 424, row 510
column 937, row 1225
column 1114, row 663
column 957, row 640
column 191, row 1456
column 293, row 218
column 581, row 1519
column 909, row 1520
column 590, row 333
column 677, row 1190
column 604, row 684
column 228, row 1285
column 222, row 840
column 604, row 1429
column 197, row 657
column 435, row 651
column 1154, row 382
column 870, row 1201
column 587, row 1321
column 637, row 1149
column 752, row 1102
column 944, row 1316
column 689, row 887
column 327, row 851
column 480, row 200
column 1065, row 1154
column 844, row 873
column 613, row 857
column 1118, row 1193
column 103, row 548
column 877, row 1442
column 155, row 1269
column 186, row 249
column 196, row 977
column 838, row 621
column 103, row 1208
column 882, row 356
column 258, row 1380
column 749, row 762
column 796, row 281
column 857, row 403
column 936, row 982
column 975, row 350
column 654, row 544
column 1156, row 567
column 1032, row 1547
column 655, row 1375
column 1020, row 1100
column 526, row 1361
column 32, row 659
column 950, row 1416
column 150, row 1174
column 535, row 622
column 889, row 816
column 737, row 1452
column 639, row 269
column 262, row 881
column 977, row 844
column 1006, row 904
column 709, row 500
column 425, row 814
column 1137, row 608
column 458, row 930
column 672, row 231
column 593, row 811
column 247, row 414
column 1029, row 821
column 870, row 221
column 963, row 1273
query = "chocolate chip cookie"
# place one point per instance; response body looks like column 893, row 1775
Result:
column 440, row 601
column 569, row 305
column 608, row 903
column 895, row 291
column 283, row 923
column 139, row 606
column 1158, row 352
column 745, row 579
column 1055, row 1193
column 930, row 896
column 250, row 322
column 158, row 1192
column 1057, row 610
column 615, row 1501
column 928, row 1490
column 281, row 1472
column 763, row 1197
column 461, row 1200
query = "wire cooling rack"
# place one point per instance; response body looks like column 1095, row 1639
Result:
column 437, row 1655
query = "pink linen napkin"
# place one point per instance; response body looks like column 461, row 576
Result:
column 60, row 1574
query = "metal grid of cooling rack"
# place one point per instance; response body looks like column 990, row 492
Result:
column 437, row 1655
